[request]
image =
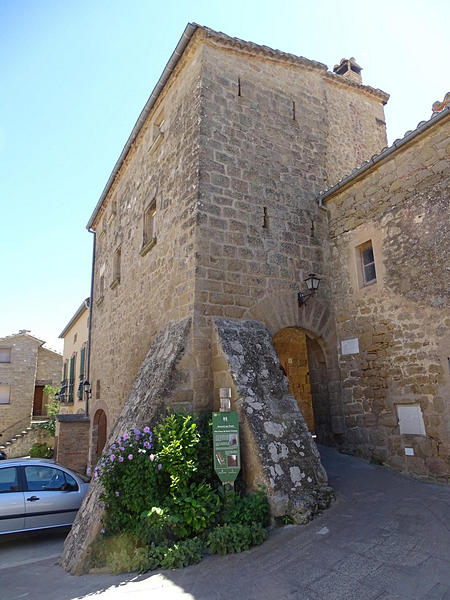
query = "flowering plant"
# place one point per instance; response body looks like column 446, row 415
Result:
column 132, row 480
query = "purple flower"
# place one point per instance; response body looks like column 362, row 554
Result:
column 146, row 429
column 112, row 457
column 130, row 457
column 102, row 531
column 147, row 445
column 95, row 474
column 137, row 438
column 152, row 457
column 121, row 448
column 117, row 493
column 120, row 458
column 125, row 436
column 88, row 470
column 159, row 467
column 113, row 446
column 136, row 432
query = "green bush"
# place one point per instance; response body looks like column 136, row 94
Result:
column 132, row 481
column 247, row 509
column 161, row 498
column 235, row 537
column 41, row 451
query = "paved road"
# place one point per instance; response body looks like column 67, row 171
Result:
column 385, row 538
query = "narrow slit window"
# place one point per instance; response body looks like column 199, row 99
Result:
column 117, row 266
column 150, row 223
column 367, row 259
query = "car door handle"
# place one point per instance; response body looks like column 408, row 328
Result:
column 32, row 499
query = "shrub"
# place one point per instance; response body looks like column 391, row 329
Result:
column 235, row 537
column 41, row 451
column 247, row 509
column 132, row 481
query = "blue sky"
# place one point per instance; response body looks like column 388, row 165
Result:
column 75, row 74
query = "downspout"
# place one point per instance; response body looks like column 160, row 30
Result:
column 91, row 303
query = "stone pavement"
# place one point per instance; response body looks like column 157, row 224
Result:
column 386, row 538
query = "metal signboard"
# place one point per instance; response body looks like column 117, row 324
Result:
column 227, row 459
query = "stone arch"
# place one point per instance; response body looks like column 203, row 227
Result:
column 280, row 311
column 316, row 320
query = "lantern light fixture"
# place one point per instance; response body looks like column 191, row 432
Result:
column 312, row 283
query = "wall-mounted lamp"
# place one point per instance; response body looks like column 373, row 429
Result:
column 87, row 388
column 312, row 283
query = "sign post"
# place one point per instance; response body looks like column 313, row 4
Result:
column 226, row 445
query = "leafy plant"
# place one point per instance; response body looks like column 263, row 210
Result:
column 41, row 451
column 235, row 537
column 52, row 410
column 192, row 509
column 247, row 509
column 177, row 447
column 131, row 476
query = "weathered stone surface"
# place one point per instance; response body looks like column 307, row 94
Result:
column 402, row 319
column 278, row 450
column 157, row 378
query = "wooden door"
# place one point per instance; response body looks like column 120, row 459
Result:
column 290, row 345
column 37, row 401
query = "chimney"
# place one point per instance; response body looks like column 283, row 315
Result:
column 24, row 331
column 349, row 68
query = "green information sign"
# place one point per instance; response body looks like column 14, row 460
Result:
column 227, row 459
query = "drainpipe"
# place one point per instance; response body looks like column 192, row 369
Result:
column 91, row 303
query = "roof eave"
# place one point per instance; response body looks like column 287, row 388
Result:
column 82, row 308
column 356, row 173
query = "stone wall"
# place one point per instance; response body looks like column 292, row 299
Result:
column 152, row 391
column 277, row 448
column 156, row 282
column 72, row 441
column 22, row 444
column 49, row 366
column 402, row 321
column 272, row 135
column 20, row 374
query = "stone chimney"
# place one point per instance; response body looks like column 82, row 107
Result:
column 349, row 68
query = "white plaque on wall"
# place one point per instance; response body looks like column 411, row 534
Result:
column 410, row 419
column 350, row 346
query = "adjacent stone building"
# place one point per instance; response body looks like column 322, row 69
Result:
column 389, row 245
column 26, row 367
column 212, row 211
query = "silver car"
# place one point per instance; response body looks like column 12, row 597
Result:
column 38, row 494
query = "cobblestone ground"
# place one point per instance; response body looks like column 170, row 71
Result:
column 386, row 537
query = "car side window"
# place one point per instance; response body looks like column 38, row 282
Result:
column 41, row 479
column 71, row 484
column 9, row 481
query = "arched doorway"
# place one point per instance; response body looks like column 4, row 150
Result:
column 99, row 433
column 304, row 363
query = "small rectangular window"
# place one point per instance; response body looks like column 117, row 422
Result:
column 5, row 355
column 5, row 393
column 97, row 389
column 367, row 263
